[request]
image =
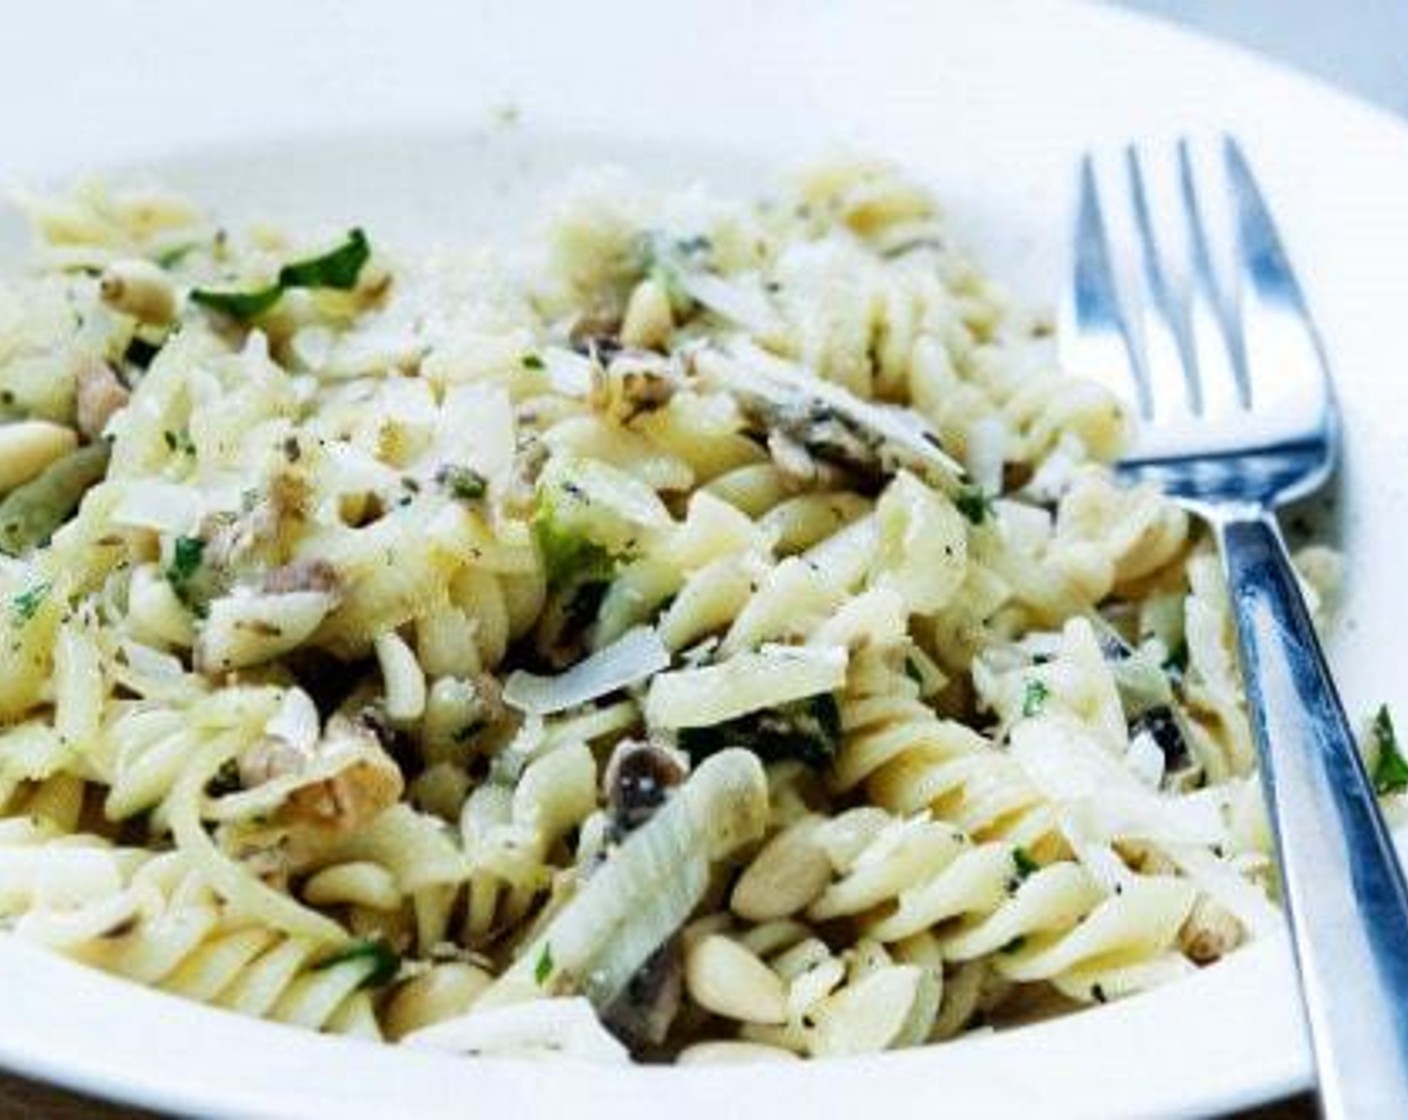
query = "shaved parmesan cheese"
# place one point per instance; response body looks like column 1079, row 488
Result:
column 901, row 437
column 632, row 658
column 741, row 302
column 167, row 507
column 1098, row 796
column 476, row 428
column 296, row 721
column 744, row 683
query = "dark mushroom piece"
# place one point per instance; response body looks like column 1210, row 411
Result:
column 638, row 780
column 1161, row 724
column 1149, row 701
column 641, row 1015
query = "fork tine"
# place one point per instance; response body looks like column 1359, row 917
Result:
column 1219, row 362
column 1099, row 344
column 1167, row 357
column 1279, row 336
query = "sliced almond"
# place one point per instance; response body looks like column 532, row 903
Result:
column 444, row 992
column 730, row 1052
column 27, row 447
column 891, row 1008
column 788, row 875
column 649, row 320
column 725, row 978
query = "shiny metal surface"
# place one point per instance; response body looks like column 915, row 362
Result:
column 1238, row 418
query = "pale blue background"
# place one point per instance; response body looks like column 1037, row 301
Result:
column 1361, row 45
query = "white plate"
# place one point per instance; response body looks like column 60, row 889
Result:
column 394, row 116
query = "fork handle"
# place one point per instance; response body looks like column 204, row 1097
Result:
column 1344, row 888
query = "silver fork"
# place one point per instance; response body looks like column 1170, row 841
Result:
column 1238, row 419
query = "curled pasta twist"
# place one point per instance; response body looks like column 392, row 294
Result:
column 1056, row 923
column 910, row 760
column 155, row 920
column 511, row 844
column 786, row 989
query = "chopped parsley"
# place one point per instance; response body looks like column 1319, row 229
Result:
column 462, row 483
column 239, row 305
column 338, row 268
column 1390, row 768
column 25, row 605
column 383, row 960
column 542, row 967
column 186, row 555
column 532, row 361
column 1034, row 699
column 973, row 504
column 808, row 730
column 1023, row 862
column 1015, row 945
column 568, row 556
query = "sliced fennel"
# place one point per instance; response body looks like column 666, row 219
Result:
column 645, row 891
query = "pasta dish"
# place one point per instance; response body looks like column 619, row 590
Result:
column 708, row 632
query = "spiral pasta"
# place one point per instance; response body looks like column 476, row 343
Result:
column 710, row 633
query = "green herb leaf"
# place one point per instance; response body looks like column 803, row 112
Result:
column 542, row 967
column 808, row 730
column 338, row 268
column 383, row 961
column 25, row 605
column 532, row 361
column 239, row 305
column 1025, row 865
column 462, row 483
column 1034, row 699
column 186, row 556
column 973, row 504
column 1390, row 768
column 568, row 556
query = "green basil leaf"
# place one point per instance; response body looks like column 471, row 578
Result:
column 338, row 268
